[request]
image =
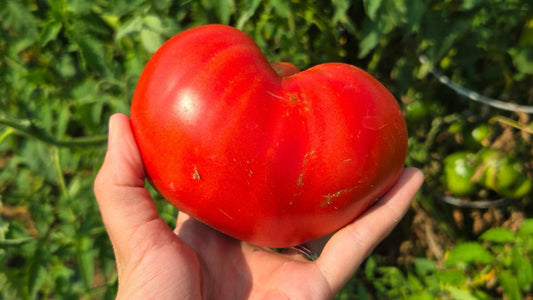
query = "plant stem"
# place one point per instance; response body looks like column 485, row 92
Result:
column 29, row 128
column 59, row 171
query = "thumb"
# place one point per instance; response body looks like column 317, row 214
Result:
column 128, row 212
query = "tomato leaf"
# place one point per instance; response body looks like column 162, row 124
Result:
column 49, row 32
column 424, row 266
column 151, row 40
column 468, row 252
column 523, row 269
column 510, row 286
column 522, row 58
column 372, row 7
column 91, row 52
column 527, row 228
column 458, row 293
column 225, row 9
column 247, row 13
column 36, row 273
column 85, row 259
column 498, row 235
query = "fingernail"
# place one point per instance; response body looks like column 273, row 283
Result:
column 111, row 131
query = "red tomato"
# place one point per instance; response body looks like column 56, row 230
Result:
column 269, row 159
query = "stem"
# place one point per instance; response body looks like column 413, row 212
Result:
column 6, row 133
column 29, row 128
column 59, row 171
column 512, row 123
column 16, row 242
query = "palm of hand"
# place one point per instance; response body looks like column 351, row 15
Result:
column 197, row 262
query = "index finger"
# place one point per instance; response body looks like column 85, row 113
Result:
column 348, row 247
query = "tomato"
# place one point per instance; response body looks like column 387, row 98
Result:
column 459, row 170
column 478, row 136
column 504, row 174
column 275, row 159
column 481, row 133
column 520, row 188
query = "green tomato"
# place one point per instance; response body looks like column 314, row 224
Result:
column 456, row 127
column 481, row 133
column 474, row 138
column 459, row 168
column 521, row 188
column 504, row 174
column 416, row 110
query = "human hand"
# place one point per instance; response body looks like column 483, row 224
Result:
column 194, row 261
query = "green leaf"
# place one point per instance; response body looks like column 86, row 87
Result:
column 421, row 295
column 523, row 59
column 372, row 7
column 16, row 242
column 14, row 14
column 424, row 266
column 342, row 15
column 526, row 228
column 415, row 285
column 224, row 10
column 469, row 4
column 498, row 235
column 85, row 257
column 468, row 252
column 91, row 51
column 369, row 41
column 457, row 293
column 370, row 267
column 131, row 27
column 523, row 269
column 36, row 272
column 154, row 23
column 7, row 289
column 451, row 277
column 151, row 40
column 510, row 286
column 247, row 13
column 282, row 8
column 49, row 32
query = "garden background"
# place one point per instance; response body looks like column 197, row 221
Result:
column 462, row 72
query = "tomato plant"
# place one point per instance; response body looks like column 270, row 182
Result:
column 273, row 158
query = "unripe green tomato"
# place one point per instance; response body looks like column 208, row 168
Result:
column 416, row 110
column 501, row 171
column 459, row 168
column 455, row 127
column 475, row 137
column 481, row 132
column 521, row 188
column 504, row 174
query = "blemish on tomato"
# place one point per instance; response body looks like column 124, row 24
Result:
column 225, row 213
column 300, row 180
column 196, row 174
column 329, row 198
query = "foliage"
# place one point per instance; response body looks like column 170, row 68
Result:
column 67, row 65
column 471, row 270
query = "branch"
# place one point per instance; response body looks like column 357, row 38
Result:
column 471, row 94
column 31, row 129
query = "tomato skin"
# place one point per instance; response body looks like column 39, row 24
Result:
column 272, row 160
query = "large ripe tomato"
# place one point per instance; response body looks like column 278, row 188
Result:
column 271, row 159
